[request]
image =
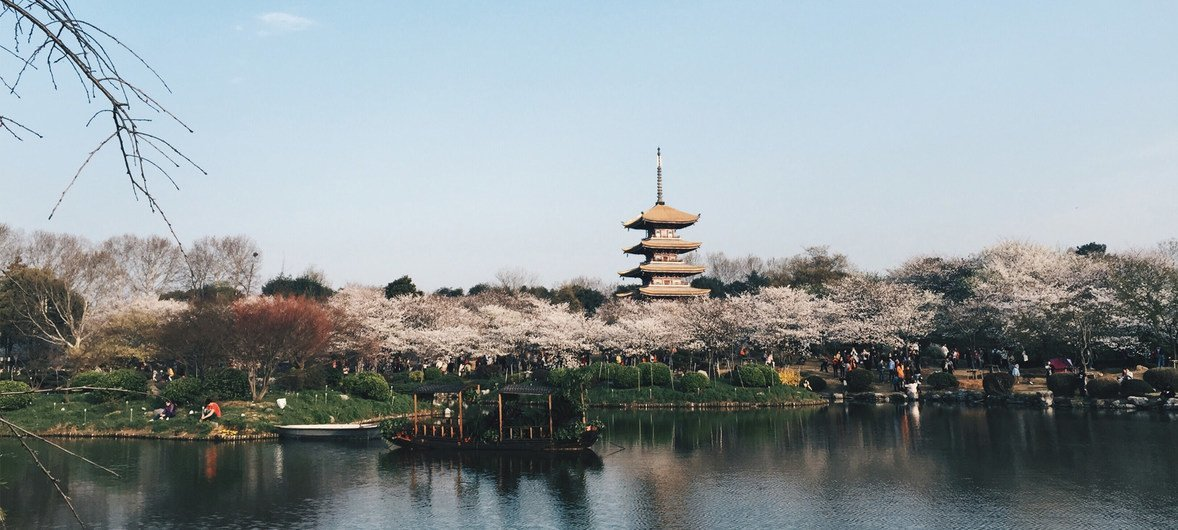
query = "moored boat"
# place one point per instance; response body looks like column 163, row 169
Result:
column 515, row 425
column 331, row 431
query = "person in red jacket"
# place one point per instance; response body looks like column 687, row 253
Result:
column 210, row 410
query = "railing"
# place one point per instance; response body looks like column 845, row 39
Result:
column 438, row 430
column 526, row 433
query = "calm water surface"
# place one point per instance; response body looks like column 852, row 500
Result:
column 837, row 467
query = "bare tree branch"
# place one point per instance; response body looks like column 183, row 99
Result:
column 56, row 484
column 54, row 35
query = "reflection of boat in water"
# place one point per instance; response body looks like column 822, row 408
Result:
column 518, row 462
column 518, row 424
column 327, row 431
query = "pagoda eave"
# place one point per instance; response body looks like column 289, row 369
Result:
column 672, row 291
column 671, row 268
column 649, row 245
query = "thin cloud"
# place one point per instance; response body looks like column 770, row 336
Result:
column 278, row 22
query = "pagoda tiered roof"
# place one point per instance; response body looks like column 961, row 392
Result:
column 662, row 267
column 662, row 274
column 666, row 243
column 661, row 215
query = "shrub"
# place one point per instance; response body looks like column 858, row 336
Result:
column 1063, row 384
column 558, row 376
column 998, row 384
column 432, row 373
column 749, row 375
column 1104, row 388
column 226, row 384
column 19, row 401
column 624, row 376
column 368, row 385
column 941, row 380
column 655, row 374
column 1163, row 379
column 129, row 380
column 859, row 380
column 417, row 376
column 770, row 375
column 694, row 382
column 1135, row 387
column 91, row 378
column 817, row 384
column 186, row 391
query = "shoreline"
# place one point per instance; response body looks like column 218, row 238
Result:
column 1043, row 399
column 1032, row 400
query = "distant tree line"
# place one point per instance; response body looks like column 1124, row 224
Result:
column 67, row 304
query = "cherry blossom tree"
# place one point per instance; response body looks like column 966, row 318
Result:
column 785, row 318
column 130, row 330
column 874, row 311
column 1145, row 286
column 1051, row 300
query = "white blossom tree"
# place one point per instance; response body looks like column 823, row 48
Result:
column 1051, row 299
column 785, row 318
column 873, row 311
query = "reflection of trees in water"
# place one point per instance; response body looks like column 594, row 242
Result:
column 466, row 474
column 194, row 482
column 921, row 454
column 678, row 469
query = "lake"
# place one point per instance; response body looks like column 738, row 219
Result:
column 856, row 466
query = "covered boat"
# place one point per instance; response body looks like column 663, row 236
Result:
column 522, row 418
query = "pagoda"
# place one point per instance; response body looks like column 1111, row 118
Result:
column 664, row 274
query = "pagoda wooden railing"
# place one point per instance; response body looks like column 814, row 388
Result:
column 526, row 432
column 442, row 428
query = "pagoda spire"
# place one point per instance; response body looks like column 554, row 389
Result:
column 658, row 156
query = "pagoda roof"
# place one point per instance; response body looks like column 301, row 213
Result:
column 662, row 267
column 662, row 215
column 672, row 291
column 662, row 244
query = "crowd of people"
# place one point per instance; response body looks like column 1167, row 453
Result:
column 901, row 368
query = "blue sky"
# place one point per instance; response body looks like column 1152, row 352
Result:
column 448, row 141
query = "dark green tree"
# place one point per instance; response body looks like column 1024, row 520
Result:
column 449, row 292
column 402, row 286
column 302, row 286
column 1091, row 249
column 213, row 293
column 718, row 288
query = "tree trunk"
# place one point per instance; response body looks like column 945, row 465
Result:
column 252, row 372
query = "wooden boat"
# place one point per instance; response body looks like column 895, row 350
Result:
column 331, row 431
column 451, row 431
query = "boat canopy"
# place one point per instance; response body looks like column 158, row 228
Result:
column 525, row 389
column 439, row 388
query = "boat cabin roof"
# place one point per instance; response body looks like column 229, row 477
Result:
column 525, row 389
column 439, row 388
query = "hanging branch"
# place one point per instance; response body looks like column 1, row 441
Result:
column 56, row 484
column 52, row 35
column 21, row 433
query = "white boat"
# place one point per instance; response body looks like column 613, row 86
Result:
column 332, row 431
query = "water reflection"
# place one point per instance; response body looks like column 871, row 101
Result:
column 858, row 466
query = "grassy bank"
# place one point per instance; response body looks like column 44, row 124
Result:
column 55, row 414
column 721, row 394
